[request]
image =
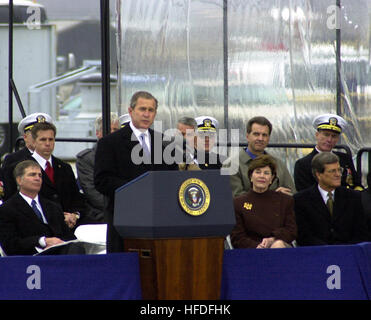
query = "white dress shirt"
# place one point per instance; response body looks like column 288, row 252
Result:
column 42, row 242
column 138, row 133
column 41, row 161
column 324, row 194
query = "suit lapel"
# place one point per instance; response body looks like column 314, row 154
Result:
column 48, row 212
column 318, row 203
column 153, row 136
column 25, row 208
column 314, row 152
column 131, row 140
column 57, row 172
column 46, row 180
column 339, row 203
column 129, row 137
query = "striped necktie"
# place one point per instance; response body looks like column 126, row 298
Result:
column 36, row 210
column 146, row 151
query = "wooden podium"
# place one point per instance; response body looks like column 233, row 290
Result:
column 180, row 254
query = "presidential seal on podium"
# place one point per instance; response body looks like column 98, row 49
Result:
column 194, row 197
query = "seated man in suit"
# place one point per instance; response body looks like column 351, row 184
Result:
column 329, row 128
column 328, row 213
column 10, row 161
column 28, row 220
column 258, row 132
column 126, row 154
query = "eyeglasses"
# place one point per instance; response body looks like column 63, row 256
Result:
column 333, row 171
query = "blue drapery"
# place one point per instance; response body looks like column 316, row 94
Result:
column 71, row 277
column 322, row 272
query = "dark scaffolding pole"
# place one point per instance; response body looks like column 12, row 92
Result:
column 105, row 60
column 10, row 73
column 339, row 87
column 225, row 64
column 12, row 89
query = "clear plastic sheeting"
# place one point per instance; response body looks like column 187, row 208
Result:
column 281, row 63
column 174, row 49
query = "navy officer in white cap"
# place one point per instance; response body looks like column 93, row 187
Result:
column 204, row 157
column 124, row 120
column 24, row 129
column 329, row 127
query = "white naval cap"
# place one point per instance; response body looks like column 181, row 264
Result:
column 207, row 124
column 329, row 121
column 28, row 122
column 124, row 119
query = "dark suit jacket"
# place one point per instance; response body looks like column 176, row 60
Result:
column 114, row 168
column 65, row 191
column 17, row 156
column 303, row 176
column 366, row 202
column 315, row 224
column 210, row 160
column 20, row 228
column 1, row 184
column 10, row 161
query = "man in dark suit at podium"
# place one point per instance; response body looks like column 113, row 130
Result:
column 126, row 154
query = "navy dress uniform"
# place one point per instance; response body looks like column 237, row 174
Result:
column 303, row 176
column 24, row 126
column 207, row 130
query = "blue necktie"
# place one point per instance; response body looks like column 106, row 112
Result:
column 146, row 151
column 37, row 211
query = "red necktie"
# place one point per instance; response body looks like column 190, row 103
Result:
column 49, row 171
